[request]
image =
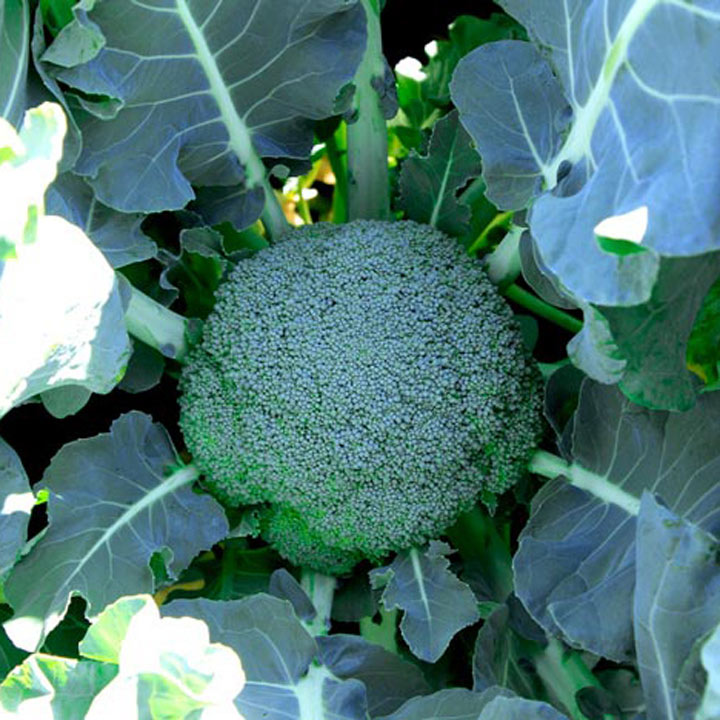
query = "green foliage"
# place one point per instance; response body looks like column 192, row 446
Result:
column 359, row 386
column 365, row 380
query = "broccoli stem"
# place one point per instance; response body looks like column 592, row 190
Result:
column 320, row 589
column 548, row 465
column 541, row 308
column 383, row 633
column 476, row 538
column 501, row 220
column 367, row 144
column 564, row 672
column 157, row 326
column 336, row 146
column 503, row 263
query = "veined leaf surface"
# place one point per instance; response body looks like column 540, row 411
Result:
column 205, row 89
column 604, row 119
column 110, row 509
column 14, row 51
column 276, row 654
column 576, row 562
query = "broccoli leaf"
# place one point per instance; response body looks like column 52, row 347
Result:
column 211, row 85
column 66, row 327
column 45, row 686
column 436, row 604
column 167, row 663
column 576, row 562
column 276, row 654
column 117, row 235
column 514, row 708
column 645, row 346
column 703, row 354
column 677, row 601
column 17, row 501
column 389, row 679
column 574, row 131
column 429, row 185
column 14, row 51
column 710, row 708
column 65, row 400
column 110, row 508
column 10, row 656
column 502, row 657
column 452, row 704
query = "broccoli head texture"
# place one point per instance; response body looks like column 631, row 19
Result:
column 364, row 383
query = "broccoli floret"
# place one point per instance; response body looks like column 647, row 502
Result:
column 365, row 383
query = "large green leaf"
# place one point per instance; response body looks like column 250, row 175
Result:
column 45, row 687
column 202, row 89
column 17, row 501
column 276, row 654
column 14, row 51
column 389, row 679
column 576, row 563
column 573, row 124
column 436, row 604
column 117, row 235
column 644, row 347
column 450, row 704
column 676, row 603
column 110, row 509
column 60, row 309
column 166, row 667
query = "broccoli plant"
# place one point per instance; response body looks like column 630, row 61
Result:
column 438, row 431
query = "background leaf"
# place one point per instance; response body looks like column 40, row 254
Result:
column 60, row 308
column 117, row 235
column 389, row 679
column 435, row 603
column 703, row 355
column 110, row 508
column 513, row 108
column 652, row 338
column 513, row 708
column 429, row 184
column 710, row 708
column 451, row 704
column 503, row 657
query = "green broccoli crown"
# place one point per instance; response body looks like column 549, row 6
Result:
column 366, row 382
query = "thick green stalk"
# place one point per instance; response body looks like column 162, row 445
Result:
column 551, row 466
column 367, row 145
column 563, row 672
column 321, row 590
column 476, row 538
column 503, row 263
column 501, row 220
column 336, row 146
column 158, row 327
column 541, row 308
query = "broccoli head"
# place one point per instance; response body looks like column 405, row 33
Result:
column 364, row 384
